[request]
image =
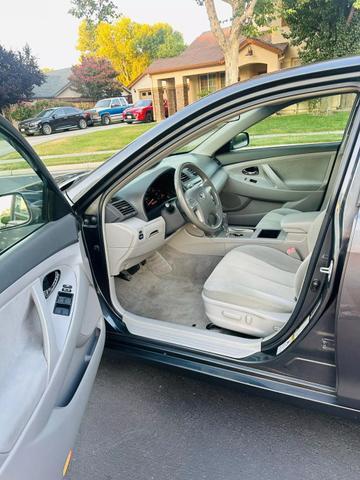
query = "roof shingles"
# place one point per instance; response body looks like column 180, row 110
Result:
column 203, row 51
column 54, row 83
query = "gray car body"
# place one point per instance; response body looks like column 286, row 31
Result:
column 320, row 363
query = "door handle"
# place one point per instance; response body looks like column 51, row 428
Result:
column 250, row 171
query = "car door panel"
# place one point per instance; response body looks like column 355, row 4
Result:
column 116, row 110
column 51, row 325
column 261, row 180
column 48, row 362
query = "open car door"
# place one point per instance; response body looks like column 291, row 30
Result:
column 51, row 327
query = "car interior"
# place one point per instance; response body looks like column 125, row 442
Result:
column 209, row 247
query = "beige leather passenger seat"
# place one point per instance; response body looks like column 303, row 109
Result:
column 254, row 288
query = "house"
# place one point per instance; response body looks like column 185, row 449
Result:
column 57, row 86
column 141, row 87
column 200, row 69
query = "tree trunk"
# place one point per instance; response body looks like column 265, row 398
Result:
column 231, row 56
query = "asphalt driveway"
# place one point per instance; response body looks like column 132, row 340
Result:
column 147, row 422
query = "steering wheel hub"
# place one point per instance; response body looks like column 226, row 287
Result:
column 199, row 201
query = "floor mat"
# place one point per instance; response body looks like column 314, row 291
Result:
column 171, row 294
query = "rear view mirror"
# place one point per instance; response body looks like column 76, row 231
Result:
column 13, row 211
column 239, row 141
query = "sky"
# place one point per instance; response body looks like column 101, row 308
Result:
column 51, row 31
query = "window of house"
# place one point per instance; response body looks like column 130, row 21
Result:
column 295, row 61
column 319, row 120
column 222, row 79
column 207, row 82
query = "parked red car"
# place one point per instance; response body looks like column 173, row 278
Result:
column 141, row 111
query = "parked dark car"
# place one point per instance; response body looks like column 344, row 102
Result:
column 202, row 245
column 141, row 111
column 53, row 120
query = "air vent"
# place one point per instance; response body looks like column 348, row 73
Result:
column 124, row 208
column 184, row 177
column 193, row 172
column 119, row 210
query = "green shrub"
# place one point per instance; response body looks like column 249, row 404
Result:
column 5, row 219
column 27, row 110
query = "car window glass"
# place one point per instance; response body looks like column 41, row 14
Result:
column 59, row 112
column 116, row 103
column 45, row 113
column 70, row 110
column 319, row 120
column 102, row 103
column 143, row 103
column 22, row 197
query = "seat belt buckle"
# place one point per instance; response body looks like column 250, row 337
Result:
column 292, row 252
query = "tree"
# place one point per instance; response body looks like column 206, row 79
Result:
column 130, row 46
column 95, row 78
column 117, row 42
column 323, row 29
column 19, row 73
column 160, row 41
column 94, row 11
column 246, row 19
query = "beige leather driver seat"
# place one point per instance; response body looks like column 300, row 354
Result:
column 253, row 290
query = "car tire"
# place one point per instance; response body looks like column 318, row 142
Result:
column 46, row 129
column 105, row 120
column 82, row 124
column 148, row 117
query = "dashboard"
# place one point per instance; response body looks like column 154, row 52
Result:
column 158, row 193
column 140, row 216
column 146, row 195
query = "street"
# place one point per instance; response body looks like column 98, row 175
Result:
column 148, row 422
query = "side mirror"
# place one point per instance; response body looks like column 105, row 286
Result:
column 241, row 140
column 13, row 211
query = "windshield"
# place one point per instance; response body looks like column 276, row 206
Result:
column 45, row 113
column 102, row 103
column 143, row 103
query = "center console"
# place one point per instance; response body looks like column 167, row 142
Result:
column 291, row 238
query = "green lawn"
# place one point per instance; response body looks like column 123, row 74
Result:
column 295, row 139
column 112, row 139
column 299, row 123
column 21, row 164
column 115, row 139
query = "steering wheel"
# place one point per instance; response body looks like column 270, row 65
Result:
column 199, row 201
